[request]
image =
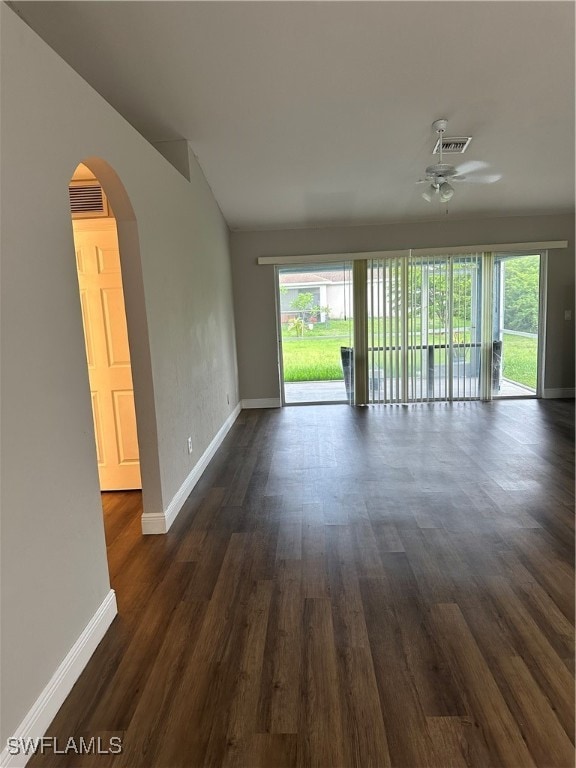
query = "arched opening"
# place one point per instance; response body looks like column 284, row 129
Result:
column 105, row 334
column 117, row 349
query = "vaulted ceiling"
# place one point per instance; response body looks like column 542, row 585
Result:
column 314, row 113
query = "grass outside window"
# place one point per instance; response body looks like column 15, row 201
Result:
column 316, row 356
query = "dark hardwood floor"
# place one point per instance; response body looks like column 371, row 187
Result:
column 385, row 586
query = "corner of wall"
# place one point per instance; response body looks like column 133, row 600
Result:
column 157, row 523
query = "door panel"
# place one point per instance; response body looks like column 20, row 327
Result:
column 115, row 330
column 127, row 442
column 87, row 329
column 108, row 261
column 107, row 354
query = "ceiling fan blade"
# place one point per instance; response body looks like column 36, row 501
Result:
column 470, row 166
column 487, row 178
column 459, row 178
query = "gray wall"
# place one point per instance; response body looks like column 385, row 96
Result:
column 254, row 285
column 54, row 569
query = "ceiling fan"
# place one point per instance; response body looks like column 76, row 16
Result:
column 440, row 175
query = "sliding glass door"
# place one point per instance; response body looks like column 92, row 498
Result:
column 516, row 324
column 427, row 327
column 315, row 322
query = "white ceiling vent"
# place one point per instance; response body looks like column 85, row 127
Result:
column 452, row 146
column 87, row 200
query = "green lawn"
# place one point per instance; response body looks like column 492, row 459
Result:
column 313, row 359
column 329, row 329
column 519, row 356
column 316, row 357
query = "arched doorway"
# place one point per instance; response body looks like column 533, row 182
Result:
column 105, row 333
column 116, row 337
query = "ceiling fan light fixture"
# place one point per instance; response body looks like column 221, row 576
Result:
column 430, row 193
column 446, row 192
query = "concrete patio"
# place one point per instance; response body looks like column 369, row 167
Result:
column 298, row 392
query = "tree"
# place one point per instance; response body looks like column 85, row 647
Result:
column 438, row 294
column 307, row 311
column 521, row 293
column 304, row 304
column 297, row 324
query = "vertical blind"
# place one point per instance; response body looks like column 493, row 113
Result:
column 425, row 335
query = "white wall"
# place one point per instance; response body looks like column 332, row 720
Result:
column 54, row 570
column 254, row 284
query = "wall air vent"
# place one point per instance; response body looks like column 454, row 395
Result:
column 87, row 200
column 453, row 146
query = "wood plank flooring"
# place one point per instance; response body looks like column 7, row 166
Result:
column 371, row 587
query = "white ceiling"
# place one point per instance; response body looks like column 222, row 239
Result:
column 314, row 113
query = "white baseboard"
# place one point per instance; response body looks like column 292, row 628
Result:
column 160, row 522
column 558, row 392
column 266, row 402
column 52, row 697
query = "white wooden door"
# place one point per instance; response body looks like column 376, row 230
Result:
column 107, row 353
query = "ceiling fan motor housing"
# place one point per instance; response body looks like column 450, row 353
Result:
column 445, row 170
column 440, row 125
